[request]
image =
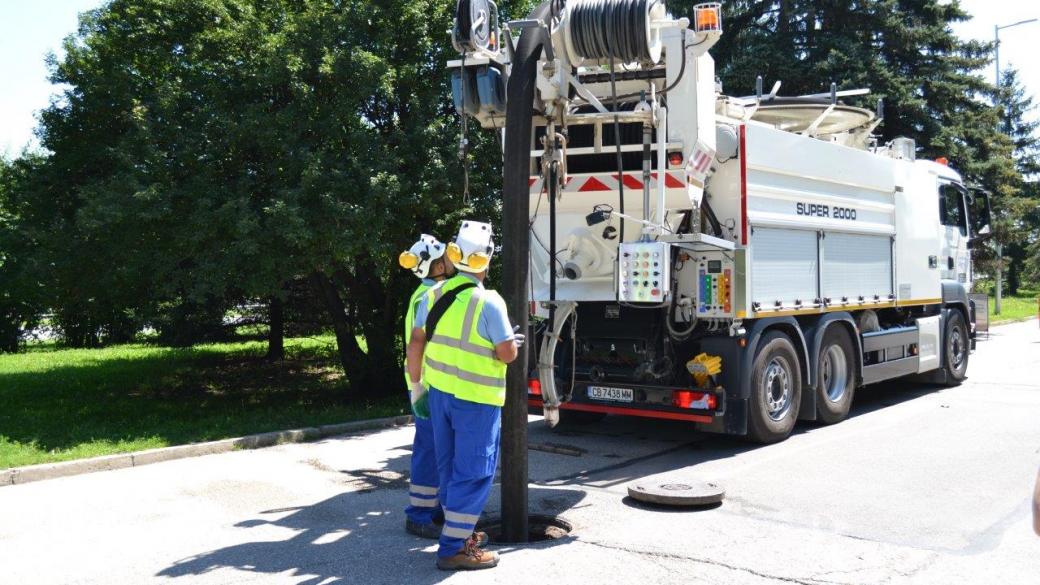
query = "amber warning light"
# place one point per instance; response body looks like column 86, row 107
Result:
column 707, row 17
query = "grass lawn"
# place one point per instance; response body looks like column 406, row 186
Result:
column 1014, row 308
column 61, row 404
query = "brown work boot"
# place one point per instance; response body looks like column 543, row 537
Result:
column 470, row 558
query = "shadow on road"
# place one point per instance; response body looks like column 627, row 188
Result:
column 354, row 537
column 358, row 537
column 682, row 447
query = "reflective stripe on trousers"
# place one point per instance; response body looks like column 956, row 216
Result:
column 424, row 503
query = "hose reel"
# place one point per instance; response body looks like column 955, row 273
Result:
column 626, row 30
column 476, row 26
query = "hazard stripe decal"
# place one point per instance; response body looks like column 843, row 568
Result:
column 593, row 184
column 600, row 183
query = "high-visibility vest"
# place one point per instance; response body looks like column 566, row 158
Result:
column 436, row 291
column 457, row 359
column 409, row 321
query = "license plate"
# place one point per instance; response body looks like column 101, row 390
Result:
column 612, row 394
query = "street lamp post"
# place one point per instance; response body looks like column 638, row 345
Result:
column 1000, row 247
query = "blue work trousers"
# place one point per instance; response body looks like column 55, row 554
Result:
column 466, row 435
column 423, row 504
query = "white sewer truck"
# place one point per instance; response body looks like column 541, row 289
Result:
column 739, row 263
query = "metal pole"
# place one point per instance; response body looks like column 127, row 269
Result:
column 1000, row 247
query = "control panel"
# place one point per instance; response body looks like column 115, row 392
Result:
column 643, row 272
column 714, row 285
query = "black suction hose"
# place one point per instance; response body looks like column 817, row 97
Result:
column 516, row 211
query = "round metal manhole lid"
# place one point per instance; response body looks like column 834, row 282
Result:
column 677, row 493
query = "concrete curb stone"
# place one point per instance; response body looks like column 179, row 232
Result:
column 20, row 475
column 182, row 452
column 66, row 468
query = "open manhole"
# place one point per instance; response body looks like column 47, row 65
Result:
column 540, row 528
column 670, row 492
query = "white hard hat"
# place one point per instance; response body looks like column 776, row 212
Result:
column 421, row 255
column 473, row 247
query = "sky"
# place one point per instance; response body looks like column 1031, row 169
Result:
column 30, row 29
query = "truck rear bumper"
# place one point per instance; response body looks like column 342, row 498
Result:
column 627, row 411
column 686, row 404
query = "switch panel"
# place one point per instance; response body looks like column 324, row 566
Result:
column 644, row 272
column 715, row 285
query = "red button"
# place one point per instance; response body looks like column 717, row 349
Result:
column 655, row 292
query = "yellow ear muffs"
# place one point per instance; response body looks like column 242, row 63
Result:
column 408, row 261
column 478, row 261
column 454, row 252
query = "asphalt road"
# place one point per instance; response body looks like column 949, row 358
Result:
column 921, row 485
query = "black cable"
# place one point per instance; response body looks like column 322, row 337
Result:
column 553, row 186
column 713, row 219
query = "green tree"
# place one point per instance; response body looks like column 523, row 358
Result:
column 210, row 151
column 20, row 285
column 1023, row 246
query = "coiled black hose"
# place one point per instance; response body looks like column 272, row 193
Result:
column 602, row 29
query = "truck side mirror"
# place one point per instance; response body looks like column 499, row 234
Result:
column 980, row 214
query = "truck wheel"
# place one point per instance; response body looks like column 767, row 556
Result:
column 957, row 348
column 835, row 375
column 776, row 389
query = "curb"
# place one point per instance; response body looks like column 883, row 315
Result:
column 31, row 473
column 1013, row 321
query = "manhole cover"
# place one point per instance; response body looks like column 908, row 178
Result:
column 540, row 528
column 673, row 493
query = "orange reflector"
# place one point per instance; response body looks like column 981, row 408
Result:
column 743, row 342
column 943, row 161
column 534, row 387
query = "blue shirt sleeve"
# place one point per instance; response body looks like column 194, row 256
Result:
column 421, row 311
column 494, row 320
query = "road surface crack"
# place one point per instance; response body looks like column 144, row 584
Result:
column 679, row 557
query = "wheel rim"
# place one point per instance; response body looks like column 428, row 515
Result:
column 834, row 373
column 957, row 347
column 776, row 388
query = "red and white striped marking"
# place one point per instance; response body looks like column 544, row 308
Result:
column 700, row 163
column 610, row 182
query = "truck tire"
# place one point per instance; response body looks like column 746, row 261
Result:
column 776, row 389
column 956, row 349
column 836, row 376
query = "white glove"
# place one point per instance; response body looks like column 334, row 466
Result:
column 519, row 338
column 415, row 390
column 418, row 396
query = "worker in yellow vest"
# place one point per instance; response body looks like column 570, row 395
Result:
column 423, row 516
column 459, row 347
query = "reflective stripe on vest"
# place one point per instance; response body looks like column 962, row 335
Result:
column 461, row 362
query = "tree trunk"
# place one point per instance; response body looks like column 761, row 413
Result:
column 351, row 356
column 276, row 333
column 380, row 325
